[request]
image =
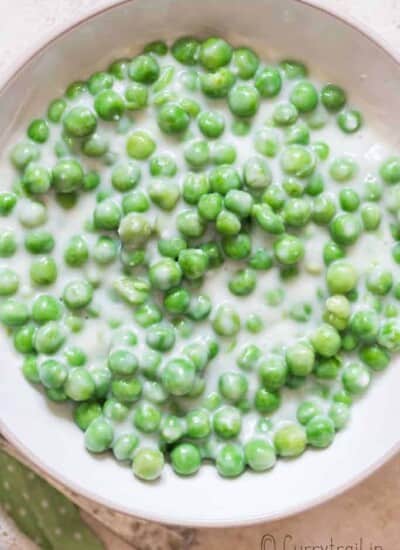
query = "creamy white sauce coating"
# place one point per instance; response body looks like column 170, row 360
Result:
column 365, row 147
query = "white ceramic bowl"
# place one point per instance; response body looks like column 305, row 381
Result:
column 337, row 51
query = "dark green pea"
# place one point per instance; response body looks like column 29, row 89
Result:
column 333, row 98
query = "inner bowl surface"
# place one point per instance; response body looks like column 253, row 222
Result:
column 335, row 51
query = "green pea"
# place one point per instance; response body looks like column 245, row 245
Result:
column 199, row 307
column 211, row 124
column 124, row 446
column 190, row 224
column 134, row 291
column 136, row 96
column 125, row 176
column 364, row 324
column 43, row 271
column 306, row 411
column 140, row 145
column 52, row 373
column 356, row 378
column 215, row 53
column 107, row 215
column 77, row 294
column 223, row 153
column 326, row 340
column 218, row 83
column 163, row 165
column 243, row 282
column 333, row 97
column 8, row 244
column 56, row 110
column 148, row 314
column 9, row 282
column 80, row 122
column 243, row 100
column 165, row 195
column 161, row 337
column 298, row 160
column 178, row 376
column 300, row 359
column 320, row 431
column 186, row 50
column 209, row 204
column 227, row 422
column 260, row 455
column 268, row 82
column 331, row 252
column 148, row 464
column 165, row 274
column 304, row 96
column 293, row 69
column 345, row 228
column 371, row 216
column 197, row 153
column 290, row 440
column 288, row 249
column 172, row 119
column 46, row 308
column 341, row 277
column 105, row 250
column 379, row 281
column 144, row 68
column 198, row 423
column 177, row 301
column 230, row 460
column 261, row 260
column 285, row 114
column 389, row 335
column 100, row 81
column 349, row 200
column 349, row 121
column 339, row 413
column 342, row 169
column 109, row 105
column 375, row 357
column 171, row 247
column 99, row 435
column 297, row 212
column 67, row 176
column 226, row 321
column 23, row 153
column 266, row 142
column 85, row 413
column 79, row 385
column 185, row 459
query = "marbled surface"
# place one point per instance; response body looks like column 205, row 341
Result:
column 371, row 511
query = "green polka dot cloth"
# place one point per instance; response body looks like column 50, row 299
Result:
column 41, row 512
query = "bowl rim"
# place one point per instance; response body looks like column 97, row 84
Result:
column 23, row 60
